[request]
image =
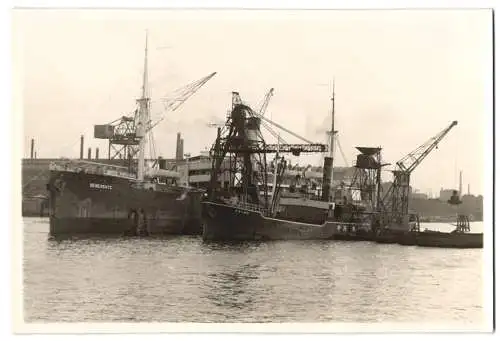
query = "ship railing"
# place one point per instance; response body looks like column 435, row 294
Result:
column 349, row 227
column 251, row 207
column 91, row 168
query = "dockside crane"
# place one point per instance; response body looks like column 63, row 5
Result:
column 121, row 133
column 181, row 95
column 397, row 197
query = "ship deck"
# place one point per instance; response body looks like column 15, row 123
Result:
column 89, row 167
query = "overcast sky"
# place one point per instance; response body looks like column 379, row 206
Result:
column 400, row 78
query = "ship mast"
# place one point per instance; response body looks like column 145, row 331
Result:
column 141, row 129
column 275, row 178
column 332, row 136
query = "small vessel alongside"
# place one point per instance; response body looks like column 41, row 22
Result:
column 352, row 190
column 460, row 237
column 240, row 203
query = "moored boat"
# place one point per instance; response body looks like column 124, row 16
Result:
column 141, row 199
column 449, row 239
column 91, row 198
column 238, row 210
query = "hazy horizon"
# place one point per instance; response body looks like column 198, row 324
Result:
column 400, row 78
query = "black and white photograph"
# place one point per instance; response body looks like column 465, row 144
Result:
column 253, row 170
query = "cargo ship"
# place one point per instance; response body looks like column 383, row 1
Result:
column 139, row 199
column 242, row 206
column 307, row 195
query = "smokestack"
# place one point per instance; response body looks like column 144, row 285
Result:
column 35, row 155
column 90, row 154
column 181, row 150
column 162, row 163
column 81, row 147
column 97, row 153
column 178, row 155
column 468, row 189
column 327, row 176
column 32, row 148
column 460, row 186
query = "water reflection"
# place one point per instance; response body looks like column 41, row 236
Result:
column 238, row 246
column 105, row 238
column 183, row 279
column 233, row 288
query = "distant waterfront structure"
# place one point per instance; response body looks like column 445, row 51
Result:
column 416, row 195
column 445, row 194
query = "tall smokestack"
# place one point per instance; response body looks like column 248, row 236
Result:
column 90, row 154
column 97, row 153
column 327, row 176
column 81, row 147
column 460, row 186
column 181, row 150
column 178, row 155
column 468, row 189
column 32, row 148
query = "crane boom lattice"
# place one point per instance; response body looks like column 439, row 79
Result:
column 397, row 197
column 413, row 159
column 121, row 133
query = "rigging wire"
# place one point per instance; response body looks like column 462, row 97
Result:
column 337, row 140
column 456, row 183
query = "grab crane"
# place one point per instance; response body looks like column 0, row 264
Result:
column 262, row 112
column 237, row 100
column 398, row 194
column 265, row 102
column 181, row 95
column 121, row 133
column 241, row 145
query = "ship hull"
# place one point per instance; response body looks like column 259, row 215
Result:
column 316, row 212
column 303, row 213
column 81, row 203
column 229, row 223
column 431, row 239
column 450, row 240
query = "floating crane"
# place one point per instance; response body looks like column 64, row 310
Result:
column 261, row 113
column 266, row 101
column 241, row 146
column 397, row 197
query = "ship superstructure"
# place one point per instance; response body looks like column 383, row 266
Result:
column 245, row 207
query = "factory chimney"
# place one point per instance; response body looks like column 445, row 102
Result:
column 181, row 150
column 81, row 147
column 97, row 153
column 178, row 155
column 89, row 156
column 32, row 148
column 468, row 189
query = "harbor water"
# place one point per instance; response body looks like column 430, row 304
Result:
column 183, row 279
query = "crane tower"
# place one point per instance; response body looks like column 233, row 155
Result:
column 121, row 133
column 396, row 199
